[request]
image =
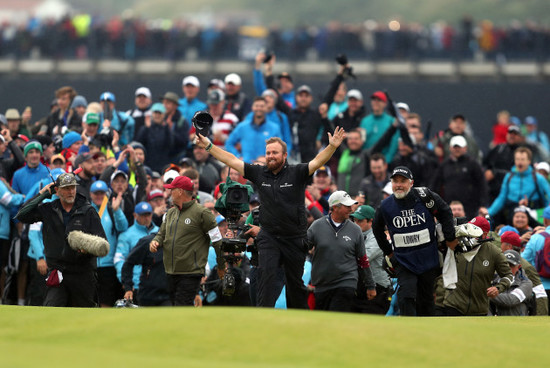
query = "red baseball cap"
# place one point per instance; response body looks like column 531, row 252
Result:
column 511, row 238
column 482, row 223
column 379, row 95
column 182, row 182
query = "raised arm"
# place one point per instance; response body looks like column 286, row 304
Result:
column 334, row 141
column 227, row 158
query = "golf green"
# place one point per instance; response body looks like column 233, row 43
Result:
column 254, row 337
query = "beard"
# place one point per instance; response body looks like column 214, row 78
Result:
column 401, row 194
column 274, row 164
column 68, row 200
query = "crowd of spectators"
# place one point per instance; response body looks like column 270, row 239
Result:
column 127, row 153
column 85, row 36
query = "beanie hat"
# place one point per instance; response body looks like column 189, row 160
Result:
column 70, row 138
column 32, row 145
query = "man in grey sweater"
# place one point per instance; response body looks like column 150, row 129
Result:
column 363, row 217
column 339, row 258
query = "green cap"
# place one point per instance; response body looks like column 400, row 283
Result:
column 363, row 212
column 66, row 180
column 92, row 118
column 32, row 145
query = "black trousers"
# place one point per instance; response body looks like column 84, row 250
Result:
column 415, row 295
column 109, row 288
column 183, row 289
column 36, row 289
column 336, row 300
column 76, row 290
column 274, row 252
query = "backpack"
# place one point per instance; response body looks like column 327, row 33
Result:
column 542, row 258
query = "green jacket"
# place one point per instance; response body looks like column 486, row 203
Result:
column 184, row 236
column 475, row 277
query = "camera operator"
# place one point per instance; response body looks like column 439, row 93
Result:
column 283, row 214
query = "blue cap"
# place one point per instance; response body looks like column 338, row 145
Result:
column 219, row 219
column 107, row 96
column 99, row 186
column 507, row 228
column 79, row 101
column 70, row 138
column 143, row 207
column 531, row 120
column 515, row 120
column 546, row 213
column 158, row 107
column 56, row 172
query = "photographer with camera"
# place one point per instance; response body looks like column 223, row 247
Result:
column 282, row 214
column 113, row 119
column 185, row 236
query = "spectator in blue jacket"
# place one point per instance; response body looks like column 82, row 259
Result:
column 114, row 223
column 8, row 200
column 522, row 186
column 143, row 225
column 535, row 135
column 27, row 176
column 252, row 131
column 123, row 123
column 536, row 244
column 189, row 103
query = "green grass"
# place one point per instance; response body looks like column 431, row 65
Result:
column 239, row 337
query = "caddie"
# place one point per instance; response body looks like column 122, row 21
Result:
column 73, row 237
column 410, row 215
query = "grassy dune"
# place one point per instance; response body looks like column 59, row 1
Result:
column 238, row 337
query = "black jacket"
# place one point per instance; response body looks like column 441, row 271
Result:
column 307, row 124
column 159, row 143
column 153, row 284
column 461, row 180
column 58, row 253
column 9, row 165
column 74, row 122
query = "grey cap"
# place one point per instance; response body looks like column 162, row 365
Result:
column 79, row 101
column 512, row 257
column 171, row 96
column 304, row 88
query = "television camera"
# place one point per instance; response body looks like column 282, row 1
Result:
column 232, row 204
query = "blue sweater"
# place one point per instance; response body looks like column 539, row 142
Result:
column 252, row 139
column 25, row 178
